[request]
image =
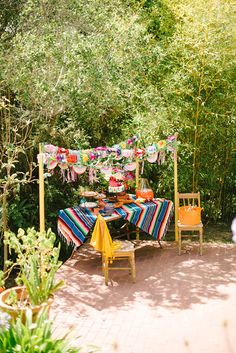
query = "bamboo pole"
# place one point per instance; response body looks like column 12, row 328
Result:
column 4, row 223
column 176, row 192
column 137, row 173
column 41, row 191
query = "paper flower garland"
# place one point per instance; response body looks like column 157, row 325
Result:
column 121, row 156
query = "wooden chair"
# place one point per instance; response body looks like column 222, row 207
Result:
column 189, row 199
column 112, row 251
column 126, row 252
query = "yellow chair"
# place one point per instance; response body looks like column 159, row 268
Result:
column 189, row 218
column 112, row 251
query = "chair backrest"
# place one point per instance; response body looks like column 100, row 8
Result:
column 187, row 214
column 101, row 239
column 189, row 199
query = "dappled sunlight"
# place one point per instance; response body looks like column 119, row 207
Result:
column 164, row 279
column 171, row 292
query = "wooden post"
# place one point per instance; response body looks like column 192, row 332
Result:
column 137, row 173
column 176, row 193
column 41, row 191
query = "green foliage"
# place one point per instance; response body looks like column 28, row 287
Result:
column 33, row 336
column 15, row 165
column 20, row 212
column 37, row 259
column 9, row 17
column 158, row 18
column 203, row 89
column 2, row 280
column 95, row 73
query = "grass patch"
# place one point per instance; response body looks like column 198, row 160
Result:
column 212, row 233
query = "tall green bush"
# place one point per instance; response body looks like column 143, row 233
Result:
column 94, row 73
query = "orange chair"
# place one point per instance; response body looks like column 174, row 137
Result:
column 189, row 218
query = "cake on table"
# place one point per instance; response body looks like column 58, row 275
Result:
column 116, row 184
column 116, row 189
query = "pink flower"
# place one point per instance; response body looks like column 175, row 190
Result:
column 100, row 148
column 171, row 138
column 92, row 156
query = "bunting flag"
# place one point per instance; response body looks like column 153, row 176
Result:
column 122, row 157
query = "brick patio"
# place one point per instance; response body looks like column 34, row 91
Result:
column 179, row 304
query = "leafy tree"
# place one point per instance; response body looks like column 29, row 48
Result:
column 96, row 72
column 9, row 17
column 14, row 133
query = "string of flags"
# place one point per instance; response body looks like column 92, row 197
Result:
column 120, row 158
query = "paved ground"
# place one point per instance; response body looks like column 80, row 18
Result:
column 179, row 304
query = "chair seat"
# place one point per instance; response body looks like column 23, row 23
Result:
column 125, row 246
column 190, row 226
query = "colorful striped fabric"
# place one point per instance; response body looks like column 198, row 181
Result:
column 74, row 224
column 152, row 217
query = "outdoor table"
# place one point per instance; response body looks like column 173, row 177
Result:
column 152, row 217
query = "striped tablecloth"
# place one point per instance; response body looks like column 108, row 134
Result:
column 152, row 217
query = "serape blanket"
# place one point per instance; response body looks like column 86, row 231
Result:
column 152, row 217
column 74, row 223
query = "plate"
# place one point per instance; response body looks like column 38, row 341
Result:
column 88, row 204
column 100, row 196
column 89, row 193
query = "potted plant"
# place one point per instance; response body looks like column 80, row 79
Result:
column 37, row 263
column 35, row 335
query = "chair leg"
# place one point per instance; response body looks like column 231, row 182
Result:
column 179, row 241
column 103, row 264
column 127, row 231
column 106, row 270
column 133, row 269
column 201, row 240
column 130, row 265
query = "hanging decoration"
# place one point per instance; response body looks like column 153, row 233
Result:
column 120, row 158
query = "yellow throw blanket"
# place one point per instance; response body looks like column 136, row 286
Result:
column 101, row 239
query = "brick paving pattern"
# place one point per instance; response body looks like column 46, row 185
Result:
column 179, row 304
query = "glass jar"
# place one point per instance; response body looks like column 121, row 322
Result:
column 144, row 190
